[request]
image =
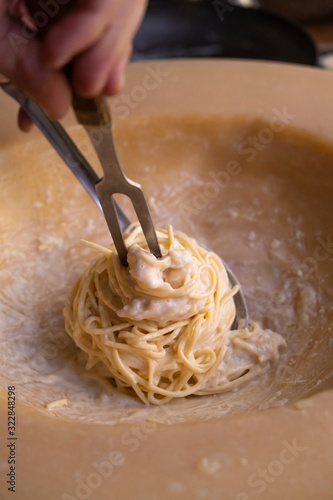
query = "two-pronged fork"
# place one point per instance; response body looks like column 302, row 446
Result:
column 94, row 114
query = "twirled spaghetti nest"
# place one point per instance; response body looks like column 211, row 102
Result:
column 160, row 326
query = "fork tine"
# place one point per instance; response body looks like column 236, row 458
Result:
column 142, row 211
column 111, row 217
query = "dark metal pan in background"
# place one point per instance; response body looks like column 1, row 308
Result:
column 208, row 28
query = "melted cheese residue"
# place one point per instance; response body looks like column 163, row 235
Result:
column 163, row 326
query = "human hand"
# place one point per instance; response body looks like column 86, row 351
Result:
column 39, row 38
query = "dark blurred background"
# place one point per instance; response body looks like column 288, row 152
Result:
column 297, row 31
column 303, row 10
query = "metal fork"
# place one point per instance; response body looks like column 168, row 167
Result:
column 83, row 171
column 64, row 146
column 94, row 116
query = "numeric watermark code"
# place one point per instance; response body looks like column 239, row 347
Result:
column 11, row 438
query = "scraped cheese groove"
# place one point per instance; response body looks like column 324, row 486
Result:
column 269, row 222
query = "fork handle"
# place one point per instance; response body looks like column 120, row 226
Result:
column 94, row 115
column 94, row 111
column 64, row 146
column 59, row 139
